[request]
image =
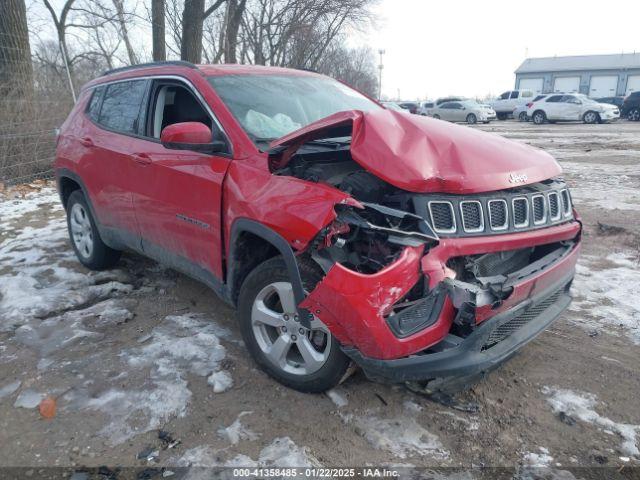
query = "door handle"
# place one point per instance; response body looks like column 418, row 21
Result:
column 142, row 159
column 86, row 142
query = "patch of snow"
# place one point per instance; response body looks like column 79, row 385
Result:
column 221, row 381
column 282, row 453
column 411, row 406
column 338, row 396
column 28, row 399
column 538, row 460
column 608, row 297
column 581, row 405
column 471, row 424
column 236, row 431
column 402, row 436
column 15, row 208
column 180, row 345
column 9, row 388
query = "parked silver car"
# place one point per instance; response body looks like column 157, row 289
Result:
column 464, row 111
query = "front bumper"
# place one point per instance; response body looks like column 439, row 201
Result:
column 476, row 354
column 355, row 307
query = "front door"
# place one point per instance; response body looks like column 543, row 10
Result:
column 179, row 194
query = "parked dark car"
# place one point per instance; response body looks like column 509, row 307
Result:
column 411, row 106
column 631, row 107
column 617, row 101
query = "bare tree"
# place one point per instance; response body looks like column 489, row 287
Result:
column 124, row 31
column 233, row 19
column 15, row 52
column 157, row 30
column 193, row 17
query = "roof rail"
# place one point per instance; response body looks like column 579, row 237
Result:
column 179, row 63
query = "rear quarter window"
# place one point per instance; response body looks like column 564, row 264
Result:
column 93, row 109
column 121, row 106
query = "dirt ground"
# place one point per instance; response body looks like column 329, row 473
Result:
column 140, row 349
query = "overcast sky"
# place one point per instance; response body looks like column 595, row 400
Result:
column 441, row 47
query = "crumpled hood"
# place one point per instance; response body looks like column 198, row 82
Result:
column 420, row 154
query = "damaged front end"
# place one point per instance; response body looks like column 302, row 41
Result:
column 419, row 284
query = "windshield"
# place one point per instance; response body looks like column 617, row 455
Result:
column 270, row 106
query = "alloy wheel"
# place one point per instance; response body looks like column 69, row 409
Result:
column 81, row 230
column 634, row 115
column 590, row 117
column 285, row 342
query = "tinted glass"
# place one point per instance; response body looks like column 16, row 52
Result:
column 270, row 106
column 554, row 98
column 93, row 110
column 447, row 105
column 504, row 96
column 514, row 94
column 121, row 106
column 539, row 97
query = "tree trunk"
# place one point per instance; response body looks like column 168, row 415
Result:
column 16, row 73
column 192, row 18
column 122, row 24
column 157, row 28
column 235, row 10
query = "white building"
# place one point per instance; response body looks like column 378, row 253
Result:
column 594, row 75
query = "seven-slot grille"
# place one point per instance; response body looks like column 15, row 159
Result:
column 442, row 217
column 514, row 210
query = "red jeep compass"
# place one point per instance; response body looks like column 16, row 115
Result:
column 423, row 251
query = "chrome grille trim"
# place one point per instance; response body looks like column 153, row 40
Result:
column 566, row 202
column 454, row 227
column 480, row 228
column 513, row 207
column 556, row 217
column 506, row 215
column 544, row 209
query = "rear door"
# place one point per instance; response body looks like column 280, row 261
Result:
column 178, row 196
column 107, row 167
column 552, row 107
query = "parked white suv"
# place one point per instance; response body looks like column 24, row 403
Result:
column 571, row 107
column 506, row 103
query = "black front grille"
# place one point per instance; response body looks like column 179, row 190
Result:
column 538, row 209
column 503, row 331
column 442, row 216
column 554, row 208
column 498, row 214
column 520, row 212
column 471, row 215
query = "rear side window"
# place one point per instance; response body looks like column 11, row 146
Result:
column 93, row 109
column 121, row 106
column 554, row 98
column 539, row 97
column 505, row 96
column 514, row 94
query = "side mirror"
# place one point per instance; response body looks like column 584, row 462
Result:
column 194, row 136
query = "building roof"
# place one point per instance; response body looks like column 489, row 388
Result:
column 580, row 62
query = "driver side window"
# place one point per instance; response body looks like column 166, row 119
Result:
column 505, row 96
column 175, row 103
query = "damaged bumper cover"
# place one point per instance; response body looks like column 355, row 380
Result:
column 476, row 354
column 358, row 308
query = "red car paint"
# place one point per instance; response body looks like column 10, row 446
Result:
column 146, row 185
column 435, row 156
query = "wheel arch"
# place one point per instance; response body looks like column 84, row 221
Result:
column 250, row 236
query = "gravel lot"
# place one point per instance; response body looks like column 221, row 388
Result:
column 129, row 352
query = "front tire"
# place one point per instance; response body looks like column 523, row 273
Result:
column 539, row 117
column 472, row 119
column 92, row 252
column 309, row 361
column 436, row 116
column 634, row 115
column 591, row 117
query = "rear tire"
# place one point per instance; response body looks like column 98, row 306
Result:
column 501, row 116
column 539, row 117
column 472, row 119
column 522, row 116
column 591, row 117
column 436, row 116
column 634, row 115
column 92, row 252
column 309, row 361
